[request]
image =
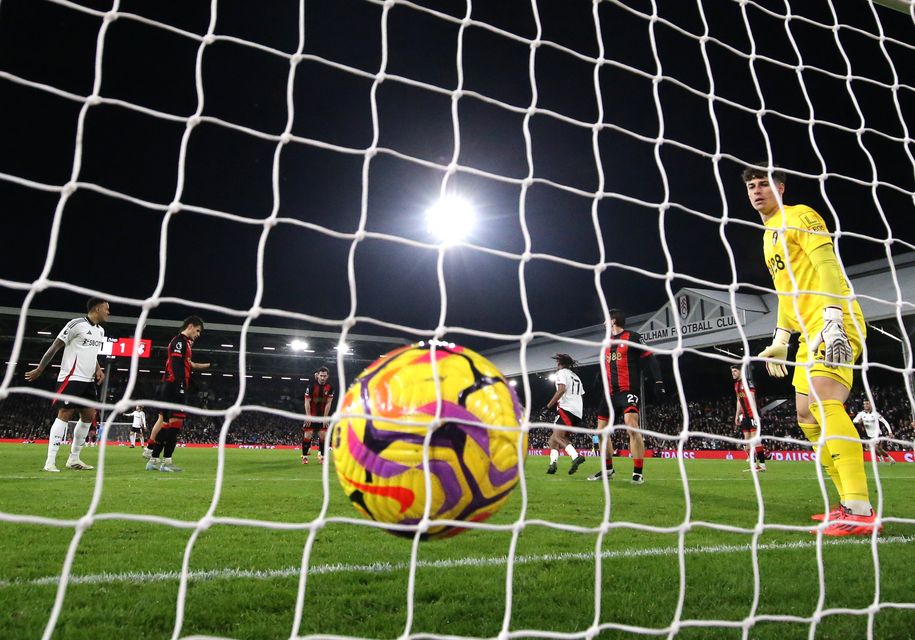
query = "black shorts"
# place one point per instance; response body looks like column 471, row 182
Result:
column 747, row 425
column 567, row 418
column 170, row 392
column 78, row 388
column 136, row 429
column 623, row 403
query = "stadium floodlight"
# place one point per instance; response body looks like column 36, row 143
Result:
column 343, row 347
column 551, row 377
column 298, row 345
column 451, row 219
column 513, row 383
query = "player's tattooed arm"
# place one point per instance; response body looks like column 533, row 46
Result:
column 35, row 373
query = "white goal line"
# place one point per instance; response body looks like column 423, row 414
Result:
column 139, row 577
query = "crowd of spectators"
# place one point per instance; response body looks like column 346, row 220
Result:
column 709, row 420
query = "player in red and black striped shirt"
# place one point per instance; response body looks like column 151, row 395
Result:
column 745, row 416
column 319, row 398
column 623, row 361
column 173, row 388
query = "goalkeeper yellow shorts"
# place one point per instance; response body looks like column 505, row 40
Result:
column 857, row 332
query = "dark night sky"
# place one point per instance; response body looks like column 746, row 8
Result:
column 112, row 245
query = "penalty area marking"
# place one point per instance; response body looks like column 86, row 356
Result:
column 134, row 577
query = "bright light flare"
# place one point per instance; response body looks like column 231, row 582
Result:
column 298, row 345
column 451, row 219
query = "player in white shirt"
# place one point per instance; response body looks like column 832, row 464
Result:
column 568, row 402
column 138, row 428
column 82, row 340
column 871, row 420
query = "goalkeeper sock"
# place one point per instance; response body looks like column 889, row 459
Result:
column 570, row 450
column 847, row 455
column 79, row 438
column 812, row 432
column 58, row 433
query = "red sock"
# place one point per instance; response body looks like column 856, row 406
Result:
column 637, row 464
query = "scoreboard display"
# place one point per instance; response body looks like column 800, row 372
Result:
column 127, row 347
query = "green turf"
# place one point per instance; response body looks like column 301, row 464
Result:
column 359, row 576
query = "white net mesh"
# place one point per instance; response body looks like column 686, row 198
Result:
column 218, row 142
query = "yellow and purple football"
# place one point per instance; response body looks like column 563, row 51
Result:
column 472, row 468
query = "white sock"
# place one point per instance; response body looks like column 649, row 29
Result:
column 166, row 461
column 859, row 507
column 554, row 455
column 133, row 439
column 573, row 453
column 58, row 433
column 79, row 438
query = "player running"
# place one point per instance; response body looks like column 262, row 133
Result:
column 871, row 420
column 80, row 373
column 745, row 417
column 319, row 397
column 623, row 361
column 814, row 300
column 569, row 406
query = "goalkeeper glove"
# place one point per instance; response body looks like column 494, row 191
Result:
column 833, row 336
column 778, row 350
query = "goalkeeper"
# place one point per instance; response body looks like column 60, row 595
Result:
column 814, row 300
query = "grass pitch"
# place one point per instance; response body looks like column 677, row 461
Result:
column 244, row 578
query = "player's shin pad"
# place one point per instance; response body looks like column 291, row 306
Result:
column 847, row 455
column 812, row 432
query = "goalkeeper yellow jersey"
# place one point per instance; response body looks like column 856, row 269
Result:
column 791, row 235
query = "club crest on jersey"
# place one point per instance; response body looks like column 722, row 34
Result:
column 683, row 306
column 774, row 238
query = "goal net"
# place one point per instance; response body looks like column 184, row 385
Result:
column 272, row 167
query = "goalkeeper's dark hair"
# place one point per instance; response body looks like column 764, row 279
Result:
column 618, row 316
column 92, row 303
column 196, row 321
column 760, row 171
